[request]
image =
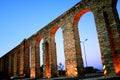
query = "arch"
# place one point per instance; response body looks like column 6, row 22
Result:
column 41, row 57
column 35, row 57
column 38, row 55
column 77, row 18
column 87, row 30
column 54, row 29
column 79, row 14
column 55, row 49
column 54, row 70
column 60, row 51
column 38, row 39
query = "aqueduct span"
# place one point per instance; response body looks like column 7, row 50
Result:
column 107, row 22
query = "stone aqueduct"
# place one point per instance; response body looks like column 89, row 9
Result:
column 17, row 61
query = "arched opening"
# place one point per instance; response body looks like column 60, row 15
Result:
column 57, row 42
column 87, row 30
column 39, row 42
column 41, row 57
column 84, row 21
column 41, row 53
column 118, row 8
column 60, row 52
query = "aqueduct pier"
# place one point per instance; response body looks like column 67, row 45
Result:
column 17, row 61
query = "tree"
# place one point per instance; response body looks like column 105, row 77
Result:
column 60, row 68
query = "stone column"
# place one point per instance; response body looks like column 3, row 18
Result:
column 22, row 52
column 9, row 65
column 0, row 65
column 73, row 57
column 46, row 60
column 54, row 70
column 32, row 69
column 12, row 64
column 6, row 64
column 113, row 27
column 18, row 62
column 35, row 60
column 105, row 42
column 26, row 61
column 79, row 60
column 15, row 63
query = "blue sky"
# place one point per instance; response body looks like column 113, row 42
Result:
column 20, row 19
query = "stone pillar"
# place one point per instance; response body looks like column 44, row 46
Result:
column 12, row 64
column 73, row 57
column 32, row 69
column 35, row 60
column 5, row 65
column 26, row 61
column 9, row 65
column 22, row 52
column 105, row 42
column 113, row 28
column 15, row 63
column 54, row 69
column 18, row 62
column 79, row 60
column 46, row 60
column 0, row 65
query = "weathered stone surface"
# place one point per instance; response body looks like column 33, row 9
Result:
column 108, row 29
